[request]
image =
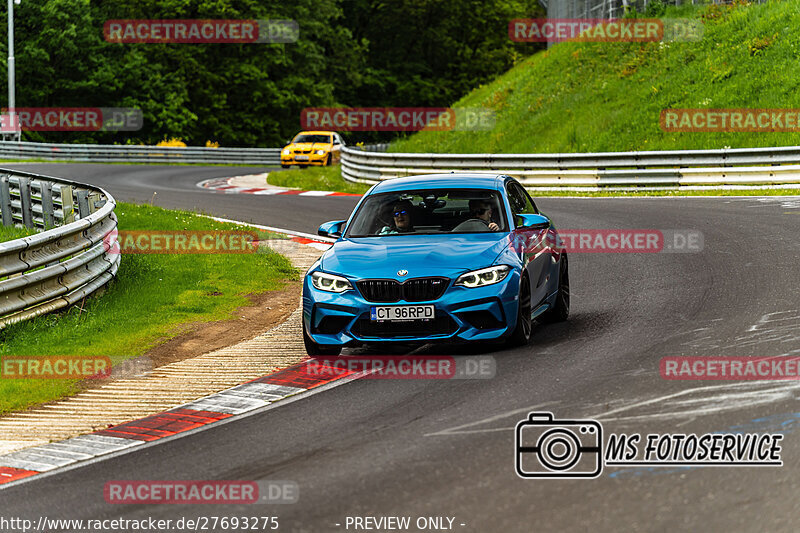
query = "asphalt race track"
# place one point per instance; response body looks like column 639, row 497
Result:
column 446, row 448
column 176, row 188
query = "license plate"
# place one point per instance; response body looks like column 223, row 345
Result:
column 401, row 313
column 301, row 157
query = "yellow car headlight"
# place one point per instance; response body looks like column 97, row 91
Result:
column 286, row 151
column 320, row 152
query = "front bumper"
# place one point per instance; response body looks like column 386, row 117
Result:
column 313, row 159
column 461, row 315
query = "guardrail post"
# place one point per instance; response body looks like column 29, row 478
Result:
column 83, row 204
column 25, row 202
column 48, row 217
column 5, row 202
column 67, row 204
column 94, row 200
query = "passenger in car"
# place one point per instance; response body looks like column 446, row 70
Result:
column 480, row 218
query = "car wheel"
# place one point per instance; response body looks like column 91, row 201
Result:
column 560, row 310
column 314, row 349
column 285, row 166
column 522, row 332
column 328, row 160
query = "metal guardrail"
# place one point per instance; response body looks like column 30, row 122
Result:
column 742, row 166
column 102, row 153
column 68, row 259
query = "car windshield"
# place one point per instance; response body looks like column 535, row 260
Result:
column 305, row 138
column 429, row 211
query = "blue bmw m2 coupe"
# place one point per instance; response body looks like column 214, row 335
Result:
column 436, row 258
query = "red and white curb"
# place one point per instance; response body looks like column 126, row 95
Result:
column 319, row 243
column 207, row 411
column 227, row 186
column 216, row 408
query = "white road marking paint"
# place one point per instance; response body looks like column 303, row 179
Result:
column 779, row 328
column 786, row 202
column 459, row 430
column 140, row 445
column 272, row 228
column 688, row 404
column 711, row 399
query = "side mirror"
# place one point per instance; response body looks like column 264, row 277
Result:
column 331, row 229
column 533, row 222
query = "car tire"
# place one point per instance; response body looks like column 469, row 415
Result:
column 524, row 327
column 285, row 166
column 560, row 310
column 328, row 160
column 313, row 349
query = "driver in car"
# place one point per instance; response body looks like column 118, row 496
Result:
column 480, row 212
column 401, row 218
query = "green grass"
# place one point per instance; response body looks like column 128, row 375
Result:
column 316, row 179
column 152, row 296
column 595, row 97
column 9, row 233
column 598, row 97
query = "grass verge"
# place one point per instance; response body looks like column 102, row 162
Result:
column 151, row 298
column 316, row 179
column 597, row 97
column 9, row 233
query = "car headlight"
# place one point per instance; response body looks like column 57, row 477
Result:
column 484, row 276
column 320, row 152
column 285, row 151
column 330, row 282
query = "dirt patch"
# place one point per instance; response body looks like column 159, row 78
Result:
column 265, row 311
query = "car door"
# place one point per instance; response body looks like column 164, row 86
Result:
column 532, row 244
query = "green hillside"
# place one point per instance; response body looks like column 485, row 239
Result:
column 593, row 97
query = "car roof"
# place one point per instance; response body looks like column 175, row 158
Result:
column 316, row 132
column 441, row 181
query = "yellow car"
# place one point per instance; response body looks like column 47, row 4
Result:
column 312, row 148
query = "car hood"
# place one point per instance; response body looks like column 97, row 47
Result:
column 310, row 146
column 420, row 255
